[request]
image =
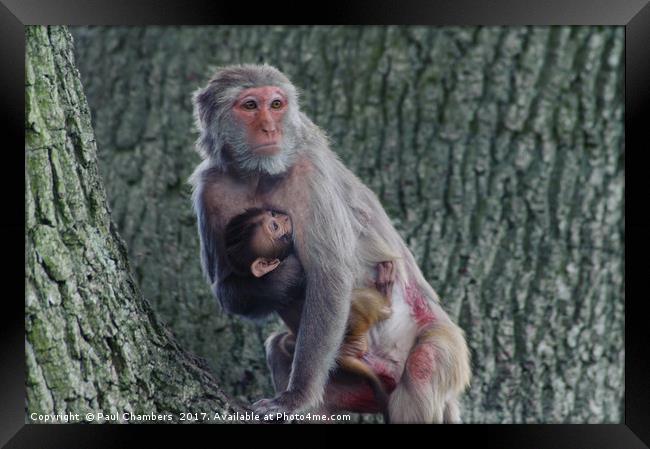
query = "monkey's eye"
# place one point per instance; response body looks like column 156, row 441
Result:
column 250, row 104
column 275, row 226
column 276, row 104
column 273, row 214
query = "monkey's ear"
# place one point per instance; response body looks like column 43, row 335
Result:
column 204, row 105
column 261, row 266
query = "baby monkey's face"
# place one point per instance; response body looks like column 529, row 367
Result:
column 274, row 232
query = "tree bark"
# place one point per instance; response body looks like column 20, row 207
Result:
column 92, row 342
column 497, row 152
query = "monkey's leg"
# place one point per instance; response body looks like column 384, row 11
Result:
column 452, row 412
column 358, row 367
column 436, row 372
column 415, row 400
column 279, row 348
column 348, row 392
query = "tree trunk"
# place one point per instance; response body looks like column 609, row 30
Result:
column 498, row 153
column 92, row 341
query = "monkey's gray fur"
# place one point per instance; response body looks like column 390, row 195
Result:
column 341, row 233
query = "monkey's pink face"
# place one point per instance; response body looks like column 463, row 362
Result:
column 261, row 110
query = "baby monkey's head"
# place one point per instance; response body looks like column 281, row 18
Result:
column 257, row 241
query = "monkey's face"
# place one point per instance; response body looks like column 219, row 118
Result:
column 273, row 236
column 260, row 111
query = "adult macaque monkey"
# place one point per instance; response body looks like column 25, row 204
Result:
column 260, row 150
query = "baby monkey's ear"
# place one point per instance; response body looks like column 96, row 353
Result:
column 261, row 266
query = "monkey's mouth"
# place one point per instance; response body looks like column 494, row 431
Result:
column 267, row 149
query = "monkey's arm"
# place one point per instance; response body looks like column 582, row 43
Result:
column 228, row 289
column 207, row 232
column 325, row 241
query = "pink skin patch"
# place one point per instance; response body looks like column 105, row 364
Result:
column 420, row 309
column 420, row 363
column 382, row 370
column 360, row 399
column 358, row 396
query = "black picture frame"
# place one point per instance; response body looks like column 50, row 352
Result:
column 633, row 14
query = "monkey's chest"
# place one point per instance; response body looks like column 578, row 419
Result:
column 226, row 198
column 290, row 196
column 289, row 193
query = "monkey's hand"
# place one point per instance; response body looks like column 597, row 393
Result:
column 286, row 402
column 385, row 278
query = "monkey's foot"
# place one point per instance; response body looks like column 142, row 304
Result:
column 385, row 278
column 280, row 406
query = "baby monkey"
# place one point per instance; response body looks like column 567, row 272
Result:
column 259, row 248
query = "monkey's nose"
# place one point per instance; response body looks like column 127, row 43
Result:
column 267, row 123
